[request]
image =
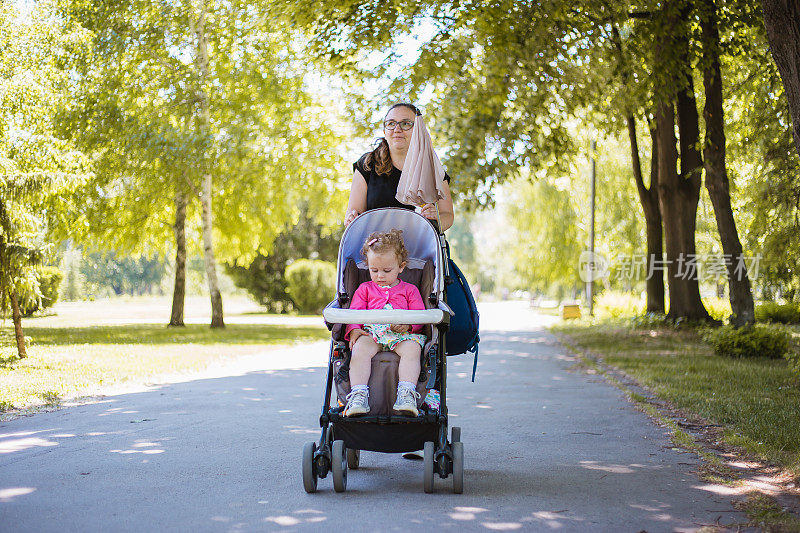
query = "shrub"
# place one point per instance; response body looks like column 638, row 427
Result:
column 782, row 313
column 748, row 341
column 793, row 357
column 619, row 304
column 49, row 279
column 311, row 284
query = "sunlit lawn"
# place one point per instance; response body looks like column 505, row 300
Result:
column 756, row 400
column 65, row 361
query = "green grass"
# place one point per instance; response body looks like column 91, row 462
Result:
column 756, row 400
column 63, row 362
column 159, row 334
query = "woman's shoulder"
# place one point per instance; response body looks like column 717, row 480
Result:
column 361, row 165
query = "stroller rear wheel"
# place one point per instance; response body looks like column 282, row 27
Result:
column 353, row 458
column 458, row 467
column 427, row 481
column 339, row 466
column 309, row 476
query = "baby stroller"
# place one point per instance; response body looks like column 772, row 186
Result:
column 383, row 430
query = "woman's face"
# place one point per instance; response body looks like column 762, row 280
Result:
column 397, row 138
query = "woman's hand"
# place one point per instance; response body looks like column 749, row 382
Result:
column 350, row 216
column 429, row 211
column 400, row 328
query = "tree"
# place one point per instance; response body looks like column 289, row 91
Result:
column 198, row 100
column 782, row 22
column 36, row 167
column 716, row 173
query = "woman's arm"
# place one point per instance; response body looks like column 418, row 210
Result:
column 358, row 198
column 445, row 208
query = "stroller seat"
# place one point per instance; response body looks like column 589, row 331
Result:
column 384, row 374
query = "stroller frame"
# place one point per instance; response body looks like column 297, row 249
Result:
column 342, row 438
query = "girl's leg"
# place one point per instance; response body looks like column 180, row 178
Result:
column 361, row 360
column 409, row 352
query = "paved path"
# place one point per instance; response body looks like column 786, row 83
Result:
column 547, row 449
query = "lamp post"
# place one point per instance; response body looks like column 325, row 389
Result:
column 590, row 283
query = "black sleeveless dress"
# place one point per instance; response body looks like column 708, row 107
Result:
column 382, row 188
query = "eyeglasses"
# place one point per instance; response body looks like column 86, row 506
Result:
column 405, row 125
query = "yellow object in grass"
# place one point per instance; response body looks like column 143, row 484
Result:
column 570, row 311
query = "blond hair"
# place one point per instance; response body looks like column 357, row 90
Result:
column 380, row 242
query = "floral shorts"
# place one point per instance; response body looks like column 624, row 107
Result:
column 388, row 339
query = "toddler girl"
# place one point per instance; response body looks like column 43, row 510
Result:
column 386, row 257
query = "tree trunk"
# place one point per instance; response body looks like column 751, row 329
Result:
column 179, row 293
column 678, row 193
column 782, row 22
column 740, row 294
column 203, row 123
column 648, row 197
column 16, row 316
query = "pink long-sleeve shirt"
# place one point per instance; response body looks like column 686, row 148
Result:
column 370, row 295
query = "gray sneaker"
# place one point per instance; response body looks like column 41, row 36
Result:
column 357, row 403
column 406, row 401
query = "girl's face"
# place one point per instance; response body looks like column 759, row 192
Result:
column 384, row 268
column 397, row 138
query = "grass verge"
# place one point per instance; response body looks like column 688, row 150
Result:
column 65, row 361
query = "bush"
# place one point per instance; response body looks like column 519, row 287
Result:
column 49, row 280
column 311, row 284
column 793, row 357
column 619, row 304
column 782, row 313
column 748, row 341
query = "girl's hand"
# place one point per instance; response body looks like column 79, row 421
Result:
column 350, row 216
column 354, row 335
column 400, row 328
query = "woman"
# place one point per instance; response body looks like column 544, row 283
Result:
column 377, row 173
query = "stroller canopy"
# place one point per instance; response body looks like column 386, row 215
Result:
column 420, row 237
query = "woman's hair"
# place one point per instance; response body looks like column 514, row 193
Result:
column 380, row 242
column 380, row 155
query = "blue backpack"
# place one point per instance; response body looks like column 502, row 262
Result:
column 462, row 336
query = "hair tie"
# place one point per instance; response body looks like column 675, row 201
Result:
column 373, row 241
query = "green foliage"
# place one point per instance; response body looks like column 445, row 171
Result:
column 264, row 277
column 748, row 341
column 788, row 313
column 37, row 168
column 46, row 293
column 793, row 358
column 157, row 117
column 614, row 304
column 718, row 308
column 311, row 284
column 123, row 275
column 546, row 248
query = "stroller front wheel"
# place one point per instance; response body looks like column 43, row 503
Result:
column 339, row 466
column 309, row 476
